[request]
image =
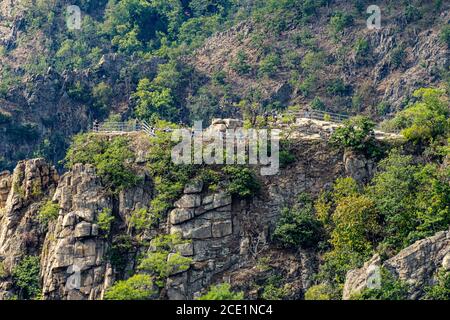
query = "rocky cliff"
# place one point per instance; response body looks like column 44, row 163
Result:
column 228, row 235
column 417, row 265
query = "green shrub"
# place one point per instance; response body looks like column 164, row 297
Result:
column 338, row 87
column 48, row 212
column 138, row 287
column 141, row 219
column 357, row 134
column 320, row 292
column 445, row 35
column 169, row 178
column 412, row 199
column 398, row 57
column 104, row 221
column 164, row 260
column 391, row 289
column 269, row 65
column 298, row 227
column 339, row 21
column 274, row 289
column 222, row 292
column 383, row 108
column 362, row 49
column 3, row 272
column 111, row 158
column 427, row 119
column 121, row 248
column 286, row 158
column 441, row 290
column 240, row 64
column 26, row 277
column 313, row 61
column 317, row 104
column 243, row 182
column 412, row 13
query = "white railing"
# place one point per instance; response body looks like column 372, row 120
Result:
column 141, row 125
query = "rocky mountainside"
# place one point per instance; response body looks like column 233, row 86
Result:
column 88, row 215
column 229, row 236
column 54, row 81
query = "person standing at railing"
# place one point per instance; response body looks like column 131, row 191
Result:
column 307, row 115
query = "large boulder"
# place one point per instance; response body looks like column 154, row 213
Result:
column 417, row 265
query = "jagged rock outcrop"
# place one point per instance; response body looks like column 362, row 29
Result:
column 73, row 244
column 5, row 187
column 417, row 265
column 75, row 260
column 20, row 231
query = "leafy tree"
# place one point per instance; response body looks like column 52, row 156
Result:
column 138, row 287
column 222, row 292
column 427, row 119
column 357, row 134
column 209, row 7
column 111, row 159
column 102, row 95
column 154, row 101
column 194, row 31
column 135, row 25
column 243, row 182
column 298, row 227
column 26, row 277
column 355, row 231
column 111, row 164
column 412, row 199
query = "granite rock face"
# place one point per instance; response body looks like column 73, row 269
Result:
column 20, row 232
column 417, row 264
column 75, row 261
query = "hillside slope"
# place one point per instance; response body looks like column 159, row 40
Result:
column 54, row 82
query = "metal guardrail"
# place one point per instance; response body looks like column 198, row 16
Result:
column 321, row 115
column 133, row 126
column 116, row 127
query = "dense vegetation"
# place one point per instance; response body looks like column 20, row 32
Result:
column 139, row 53
column 407, row 199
